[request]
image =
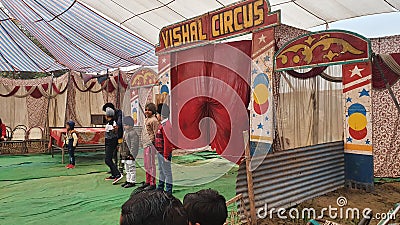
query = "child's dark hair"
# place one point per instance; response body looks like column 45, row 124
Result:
column 152, row 107
column 206, row 207
column 153, row 207
column 108, row 105
column 1, row 122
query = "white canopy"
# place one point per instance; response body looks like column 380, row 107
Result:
column 147, row 17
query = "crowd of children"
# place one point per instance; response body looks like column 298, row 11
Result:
column 151, row 204
column 205, row 207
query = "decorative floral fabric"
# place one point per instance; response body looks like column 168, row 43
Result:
column 386, row 118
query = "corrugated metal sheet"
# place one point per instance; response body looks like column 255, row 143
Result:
column 287, row 178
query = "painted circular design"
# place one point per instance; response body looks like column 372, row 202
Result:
column 358, row 135
column 134, row 115
column 261, row 94
column 261, row 109
column 164, row 89
column 357, row 121
column 357, row 108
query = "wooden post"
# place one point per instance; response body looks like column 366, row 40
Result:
column 250, row 191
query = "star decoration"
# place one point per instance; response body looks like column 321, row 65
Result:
column 160, row 83
column 164, row 60
column 367, row 142
column 260, row 126
column 349, row 139
column 266, row 118
column 261, row 39
column 267, row 70
column 356, row 71
column 254, row 71
column 364, row 92
column 166, row 75
column 348, row 99
column 267, row 58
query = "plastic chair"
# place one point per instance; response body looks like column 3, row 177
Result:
column 35, row 141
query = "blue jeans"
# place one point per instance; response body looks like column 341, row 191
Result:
column 165, row 176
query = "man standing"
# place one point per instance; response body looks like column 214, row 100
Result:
column 118, row 119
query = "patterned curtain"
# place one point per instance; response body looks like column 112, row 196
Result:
column 386, row 118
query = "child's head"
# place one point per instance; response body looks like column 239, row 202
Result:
column 108, row 105
column 205, row 207
column 109, row 114
column 153, row 207
column 70, row 125
column 128, row 122
column 163, row 110
column 150, row 110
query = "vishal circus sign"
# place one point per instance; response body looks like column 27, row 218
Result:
column 239, row 18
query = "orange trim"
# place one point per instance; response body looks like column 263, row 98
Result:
column 262, row 138
column 367, row 148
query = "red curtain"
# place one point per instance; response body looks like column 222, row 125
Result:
column 210, row 93
column 391, row 76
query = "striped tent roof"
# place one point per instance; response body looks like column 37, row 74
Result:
column 80, row 38
column 19, row 53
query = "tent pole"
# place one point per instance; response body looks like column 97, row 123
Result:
column 250, row 187
column 47, row 122
column 67, row 100
column 118, row 103
column 107, row 80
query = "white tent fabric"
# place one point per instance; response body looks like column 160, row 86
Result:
column 79, row 38
column 147, row 17
column 19, row 53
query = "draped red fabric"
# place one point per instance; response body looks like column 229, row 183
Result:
column 211, row 82
column 36, row 93
column 312, row 73
column 16, row 88
column 377, row 80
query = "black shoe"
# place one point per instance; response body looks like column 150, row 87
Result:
column 110, row 178
column 144, row 185
column 129, row 185
column 117, row 179
column 125, row 183
column 150, row 188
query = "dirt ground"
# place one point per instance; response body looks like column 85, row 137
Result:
column 381, row 200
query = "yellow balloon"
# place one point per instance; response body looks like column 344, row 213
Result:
column 261, row 94
column 357, row 121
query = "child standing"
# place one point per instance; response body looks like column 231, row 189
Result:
column 148, row 137
column 111, row 142
column 130, row 148
column 71, row 140
column 164, row 148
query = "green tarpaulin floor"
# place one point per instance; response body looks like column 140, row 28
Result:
column 38, row 189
